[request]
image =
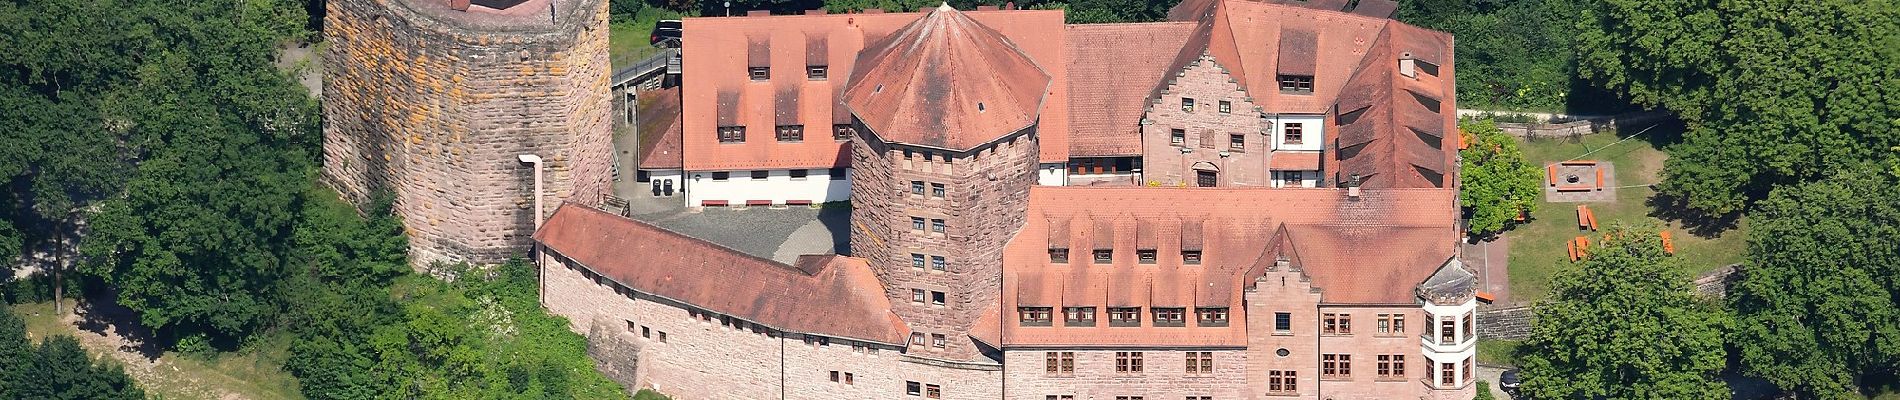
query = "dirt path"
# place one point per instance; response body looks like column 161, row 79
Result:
column 157, row 375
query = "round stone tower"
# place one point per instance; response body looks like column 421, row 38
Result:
column 947, row 112
column 435, row 102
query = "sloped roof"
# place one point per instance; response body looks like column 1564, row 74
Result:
column 659, row 112
column 1391, row 128
column 827, row 295
column 1111, row 68
column 946, row 81
column 1370, row 250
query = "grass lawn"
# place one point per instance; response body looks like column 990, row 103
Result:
column 627, row 43
column 1498, row 352
column 1538, row 247
column 255, row 372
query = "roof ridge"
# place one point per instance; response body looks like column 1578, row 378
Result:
column 663, row 230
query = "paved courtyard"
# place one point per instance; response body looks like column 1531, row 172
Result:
column 780, row 234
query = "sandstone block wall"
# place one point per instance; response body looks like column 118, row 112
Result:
column 1207, row 131
column 986, row 196
column 1509, row 323
column 708, row 359
column 434, row 105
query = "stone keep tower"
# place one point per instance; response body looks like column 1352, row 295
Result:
column 947, row 112
column 434, row 101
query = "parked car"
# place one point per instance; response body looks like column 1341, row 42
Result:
column 1508, row 382
column 666, row 33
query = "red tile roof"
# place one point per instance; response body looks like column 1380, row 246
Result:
column 1111, row 68
column 1391, row 129
column 946, row 81
column 1369, row 250
column 1293, row 161
column 659, row 129
column 719, row 92
column 827, row 295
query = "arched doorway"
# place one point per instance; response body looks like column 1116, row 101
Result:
column 1206, row 174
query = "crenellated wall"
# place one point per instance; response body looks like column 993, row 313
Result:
column 434, row 105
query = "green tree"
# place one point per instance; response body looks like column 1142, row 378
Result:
column 16, row 356
column 1497, row 183
column 1625, row 323
column 1815, row 301
column 63, row 371
column 1774, row 92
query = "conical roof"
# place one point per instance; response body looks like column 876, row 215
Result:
column 946, row 81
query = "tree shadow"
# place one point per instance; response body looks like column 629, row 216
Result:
column 102, row 315
column 1675, row 209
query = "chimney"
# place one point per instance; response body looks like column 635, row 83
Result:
column 458, row 5
column 1009, row 5
column 1352, row 188
column 1408, row 66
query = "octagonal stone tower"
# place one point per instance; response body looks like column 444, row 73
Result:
column 947, row 112
column 434, row 101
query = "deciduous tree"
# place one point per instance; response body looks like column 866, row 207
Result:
column 1497, row 182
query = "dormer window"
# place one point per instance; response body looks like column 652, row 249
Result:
column 816, row 72
column 1059, row 255
column 1104, row 256
column 760, row 73
column 1146, row 256
column 1212, row 316
column 1170, row 316
column 1191, row 257
column 843, row 132
column 1035, row 316
column 1296, row 83
column 791, row 133
column 731, row 134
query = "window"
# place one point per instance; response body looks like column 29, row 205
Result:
column 791, row 133
column 1237, row 142
column 837, row 174
column 1128, row 362
column 916, row 260
column 760, row 73
column 1391, row 366
column 1212, row 316
column 1447, row 331
column 1296, row 83
column 1034, row 316
column 662, row 336
column 1447, row 374
column 917, row 188
column 1335, row 365
column 1391, row 324
column 731, row 134
column 815, row 72
column 800, row 174
column 646, row 332
column 1282, row 382
column 1170, row 316
column 1293, row 178
column 937, row 340
column 1468, row 369
column 917, row 295
column 1226, row 107
column 1078, row 316
column 1124, row 316
column 1062, row 397
column 843, row 132
column 1127, row 397
column 1293, row 133
column 1146, row 256
column 721, row 176
column 1060, row 363
column 916, row 223
column 936, row 190
column 936, row 298
column 1336, row 324
column 836, row 377
column 1200, row 363
column 936, row 225
column 916, row 338
column 1104, row 256
column 1191, row 257
column 761, row 175
column 937, row 263
column 1282, row 322
column 1177, row 136
column 1470, row 325
column 1059, row 255
column 1200, row 398
column 1187, row 104
column 913, row 388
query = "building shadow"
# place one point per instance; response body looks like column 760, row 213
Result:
column 836, row 218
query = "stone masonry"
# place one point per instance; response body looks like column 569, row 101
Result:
column 986, row 193
column 433, row 106
column 1207, row 142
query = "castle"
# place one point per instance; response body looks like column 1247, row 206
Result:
column 1198, row 209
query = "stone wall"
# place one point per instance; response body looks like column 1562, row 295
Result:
column 986, row 193
column 1505, row 323
column 434, row 105
column 1207, row 130
column 1578, row 127
column 1164, row 375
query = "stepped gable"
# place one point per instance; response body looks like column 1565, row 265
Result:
column 1391, row 129
column 828, row 295
column 946, row 81
column 1111, row 68
column 1374, row 249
